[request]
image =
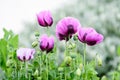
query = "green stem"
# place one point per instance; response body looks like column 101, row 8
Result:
column 25, row 67
column 84, row 59
column 47, row 65
column 65, row 72
column 40, row 64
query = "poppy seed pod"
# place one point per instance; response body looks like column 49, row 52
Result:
column 89, row 36
column 46, row 43
column 66, row 27
column 45, row 18
column 25, row 54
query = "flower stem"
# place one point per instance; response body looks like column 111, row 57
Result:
column 47, row 65
column 84, row 59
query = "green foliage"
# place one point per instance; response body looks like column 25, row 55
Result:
column 8, row 46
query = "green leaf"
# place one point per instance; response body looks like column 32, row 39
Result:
column 13, row 41
column 3, row 53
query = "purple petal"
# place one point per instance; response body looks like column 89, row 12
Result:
column 40, row 18
column 43, row 42
column 94, row 38
column 48, row 18
column 51, row 44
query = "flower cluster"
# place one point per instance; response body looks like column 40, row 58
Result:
column 65, row 29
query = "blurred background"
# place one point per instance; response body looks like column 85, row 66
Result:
column 103, row 15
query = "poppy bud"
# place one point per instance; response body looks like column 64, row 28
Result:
column 71, row 46
column 104, row 78
column 34, row 44
column 99, row 60
column 37, row 34
column 81, row 66
column 78, row 72
column 68, row 60
column 35, row 74
column 60, row 69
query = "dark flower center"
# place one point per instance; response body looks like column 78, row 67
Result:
column 70, row 29
column 91, row 43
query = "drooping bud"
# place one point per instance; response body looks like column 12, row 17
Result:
column 34, row 44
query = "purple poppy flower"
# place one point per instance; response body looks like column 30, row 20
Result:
column 46, row 43
column 89, row 36
column 66, row 27
column 25, row 54
column 45, row 18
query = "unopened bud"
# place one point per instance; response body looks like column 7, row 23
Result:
column 37, row 34
column 104, row 78
column 99, row 61
column 119, row 67
column 75, row 37
column 35, row 74
column 73, row 55
column 60, row 69
column 68, row 60
column 9, row 63
column 81, row 66
column 71, row 46
column 34, row 44
column 39, row 78
column 78, row 72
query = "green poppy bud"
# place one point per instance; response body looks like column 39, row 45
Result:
column 37, row 34
column 71, row 46
column 35, row 74
column 104, row 78
column 34, row 44
column 60, row 69
column 39, row 78
column 99, row 60
column 9, row 63
column 81, row 66
column 78, row 72
column 119, row 67
column 75, row 37
column 68, row 60
column 73, row 55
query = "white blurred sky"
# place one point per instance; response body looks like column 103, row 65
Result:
column 14, row 12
